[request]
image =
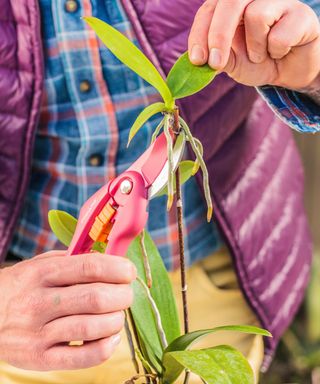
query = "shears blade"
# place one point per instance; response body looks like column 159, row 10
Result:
column 162, row 179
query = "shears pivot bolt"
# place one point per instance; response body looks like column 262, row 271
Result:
column 126, row 187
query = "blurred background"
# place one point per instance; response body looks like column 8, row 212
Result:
column 298, row 357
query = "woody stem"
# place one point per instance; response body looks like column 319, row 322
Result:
column 176, row 128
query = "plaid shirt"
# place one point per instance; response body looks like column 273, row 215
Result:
column 90, row 103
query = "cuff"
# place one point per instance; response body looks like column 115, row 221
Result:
column 296, row 109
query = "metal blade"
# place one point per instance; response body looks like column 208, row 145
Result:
column 161, row 181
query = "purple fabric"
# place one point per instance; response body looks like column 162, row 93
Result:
column 21, row 82
column 255, row 171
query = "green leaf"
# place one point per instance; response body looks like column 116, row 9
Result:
column 131, row 56
column 186, row 172
column 185, row 79
column 144, row 116
column 185, row 341
column 146, row 327
column 162, row 294
column 161, row 289
column 63, row 225
column 219, row 365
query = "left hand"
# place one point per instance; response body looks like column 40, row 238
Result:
column 258, row 42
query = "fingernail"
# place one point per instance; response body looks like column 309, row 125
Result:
column 197, row 55
column 115, row 339
column 215, row 58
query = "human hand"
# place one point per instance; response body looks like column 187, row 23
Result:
column 258, row 42
column 50, row 300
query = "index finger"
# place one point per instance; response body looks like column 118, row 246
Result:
column 87, row 268
column 198, row 37
column 226, row 18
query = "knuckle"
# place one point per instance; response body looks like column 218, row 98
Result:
column 62, row 361
column 256, row 14
column 251, row 14
column 34, row 304
column 266, row 14
column 93, row 299
column 46, row 270
column 277, row 42
column 237, row 3
column 89, row 268
column 82, row 330
column 234, row 4
column 39, row 357
column 219, row 39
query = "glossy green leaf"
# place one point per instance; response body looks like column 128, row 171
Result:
column 185, row 79
column 218, row 365
column 161, row 289
column 185, row 341
column 186, row 172
column 162, row 294
column 63, row 225
column 146, row 327
column 144, row 116
column 131, row 56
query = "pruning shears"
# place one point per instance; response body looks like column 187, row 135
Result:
column 117, row 212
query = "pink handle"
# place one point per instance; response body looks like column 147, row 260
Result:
column 131, row 216
column 81, row 242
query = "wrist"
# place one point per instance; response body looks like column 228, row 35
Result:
column 312, row 90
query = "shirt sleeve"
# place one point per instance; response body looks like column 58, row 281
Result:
column 296, row 109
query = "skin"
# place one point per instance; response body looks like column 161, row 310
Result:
column 51, row 300
column 258, row 42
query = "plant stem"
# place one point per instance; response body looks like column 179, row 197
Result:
column 184, row 287
column 136, row 337
column 131, row 344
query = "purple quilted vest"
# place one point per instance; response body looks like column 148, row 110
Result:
column 255, row 171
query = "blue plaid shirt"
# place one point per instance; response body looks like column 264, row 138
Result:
column 90, row 103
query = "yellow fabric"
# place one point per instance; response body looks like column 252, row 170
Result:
column 214, row 299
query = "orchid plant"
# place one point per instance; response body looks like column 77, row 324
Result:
column 159, row 350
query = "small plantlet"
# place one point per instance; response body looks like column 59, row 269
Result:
column 159, row 351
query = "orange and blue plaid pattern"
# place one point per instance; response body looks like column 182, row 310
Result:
column 90, row 103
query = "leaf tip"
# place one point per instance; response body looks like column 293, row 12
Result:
column 51, row 215
column 209, row 214
column 131, row 136
column 169, row 202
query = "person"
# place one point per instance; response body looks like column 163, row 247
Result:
column 66, row 127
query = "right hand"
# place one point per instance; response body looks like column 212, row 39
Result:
column 50, row 300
